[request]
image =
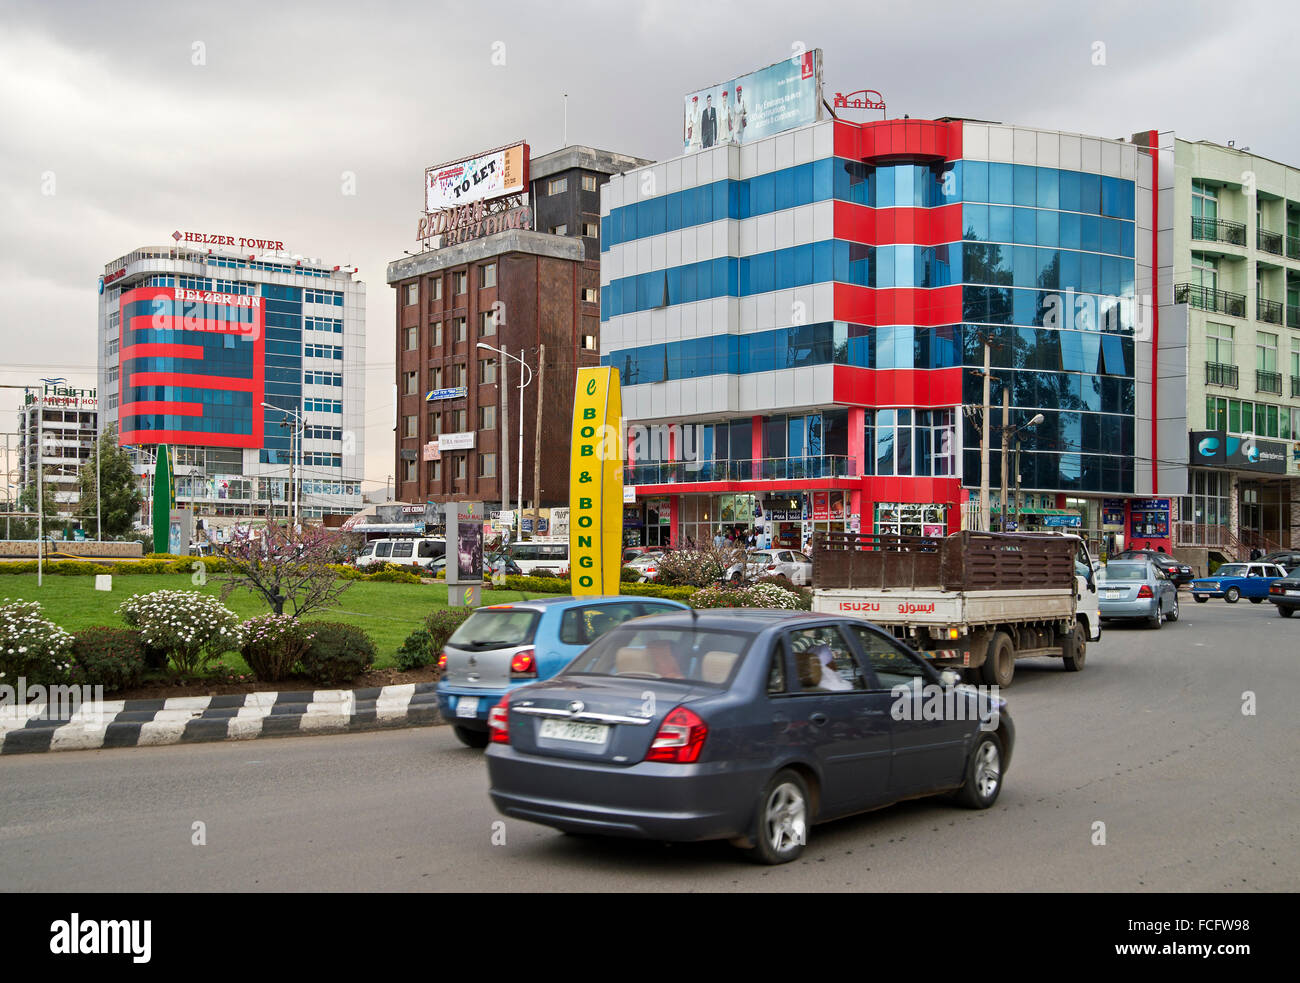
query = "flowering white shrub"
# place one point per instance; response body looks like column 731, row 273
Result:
column 192, row 628
column 31, row 646
column 273, row 644
column 748, row 596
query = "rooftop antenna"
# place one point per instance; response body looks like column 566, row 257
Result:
column 566, row 119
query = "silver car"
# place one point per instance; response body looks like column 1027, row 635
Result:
column 791, row 564
column 1136, row 589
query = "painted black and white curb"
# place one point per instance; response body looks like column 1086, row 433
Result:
column 191, row 719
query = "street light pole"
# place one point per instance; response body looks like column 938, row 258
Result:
column 984, row 447
column 519, row 471
column 505, row 430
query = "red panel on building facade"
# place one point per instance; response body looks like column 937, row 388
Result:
column 897, row 387
column 921, row 306
column 190, row 303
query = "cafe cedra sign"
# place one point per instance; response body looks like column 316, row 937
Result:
column 596, row 484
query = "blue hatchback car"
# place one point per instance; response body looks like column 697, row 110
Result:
column 504, row 646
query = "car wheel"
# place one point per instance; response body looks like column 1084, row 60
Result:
column 735, row 578
column 1173, row 612
column 1284, row 611
column 1076, row 649
column 1157, row 620
column 1199, row 599
column 999, row 662
column 1256, row 600
column 781, row 828
column 1232, row 596
column 471, row 738
column 983, row 774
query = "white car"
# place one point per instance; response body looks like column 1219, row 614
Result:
column 403, row 552
column 776, row 562
column 646, row 564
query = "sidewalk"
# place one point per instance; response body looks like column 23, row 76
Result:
column 191, row 719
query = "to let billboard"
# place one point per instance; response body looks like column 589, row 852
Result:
column 494, row 174
column 750, row 107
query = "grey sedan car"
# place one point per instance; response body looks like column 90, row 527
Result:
column 744, row 725
column 1136, row 589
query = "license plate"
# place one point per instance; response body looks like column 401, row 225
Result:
column 467, row 706
column 568, row 730
column 1112, row 595
column 1293, row 593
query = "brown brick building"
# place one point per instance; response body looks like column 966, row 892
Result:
column 517, row 289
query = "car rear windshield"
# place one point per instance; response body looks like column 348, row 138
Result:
column 692, row 655
column 1135, row 572
column 494, row 628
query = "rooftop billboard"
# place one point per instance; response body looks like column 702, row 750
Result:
column 493, row 174
column 741, row 110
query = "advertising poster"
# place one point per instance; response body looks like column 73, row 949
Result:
column 750, row 107
column 821, row 509
column 465, row 536
column 837, row 504
column 494, row 174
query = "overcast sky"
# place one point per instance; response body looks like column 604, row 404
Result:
column 122, row 122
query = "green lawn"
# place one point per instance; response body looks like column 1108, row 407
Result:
column 389, row 612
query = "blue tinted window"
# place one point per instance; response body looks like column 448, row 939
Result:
column 823, row 179
column 1090, row 194
column 1090, row 233
column 1025, row 266
column 1069, row 190
column 1048, row 269
column 1048, row 184
column 884, row 187
column 1025, row 185
column 1070, row 230
column 1048, row 223
column 1000, row 184
column 999, row 223
column 1090, row 273
column 1024, row 226
column 1126, row 239
column 1069, row 277
column 975, row 180
column 975, row 222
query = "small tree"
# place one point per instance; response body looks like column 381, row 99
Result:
column 700, row 565
column 121, row 497
column 285, row 565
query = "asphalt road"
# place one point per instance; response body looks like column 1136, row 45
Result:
column 1150, row 740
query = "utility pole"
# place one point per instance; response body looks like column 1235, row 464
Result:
column 505, row 434
column 519, row 479
column 1017, row 484
column 984, row 447
column 537, row 440
column 99, row 501
column 40, row 488
column 1006, row 447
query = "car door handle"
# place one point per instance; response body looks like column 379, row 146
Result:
column 819, row 719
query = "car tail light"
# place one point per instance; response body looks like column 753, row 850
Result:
column 523, row 665
column 499, row 721
column 1274, row 589
column 680, row 738
column 1145, row 591
column 442, row 660
column 772, row 568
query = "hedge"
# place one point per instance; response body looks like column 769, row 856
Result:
column 561, row 585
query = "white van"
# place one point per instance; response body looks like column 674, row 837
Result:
column 540, row 556
column 403, row 552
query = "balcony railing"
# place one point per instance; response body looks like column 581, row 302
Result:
column 1268, row 382
column 1268, row 310
column 1207, row 299
column 1293, row 247
column 1269, row 242
column 764, row 469
column 1292, row 316
column 1295, row 386
column 1218, row 230
column 1220, row 374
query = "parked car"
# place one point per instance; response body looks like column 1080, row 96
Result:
column 541, row 557
column 1175, row 570
column 1136, row 589
column 403, row 552
column 646, row 564
column 744, row 725
column 504, row 646
column 1285, row 593
column 1288, row 560
column 1233, row 581
column 791, row 564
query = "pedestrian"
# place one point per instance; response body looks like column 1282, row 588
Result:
column 718, row 540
